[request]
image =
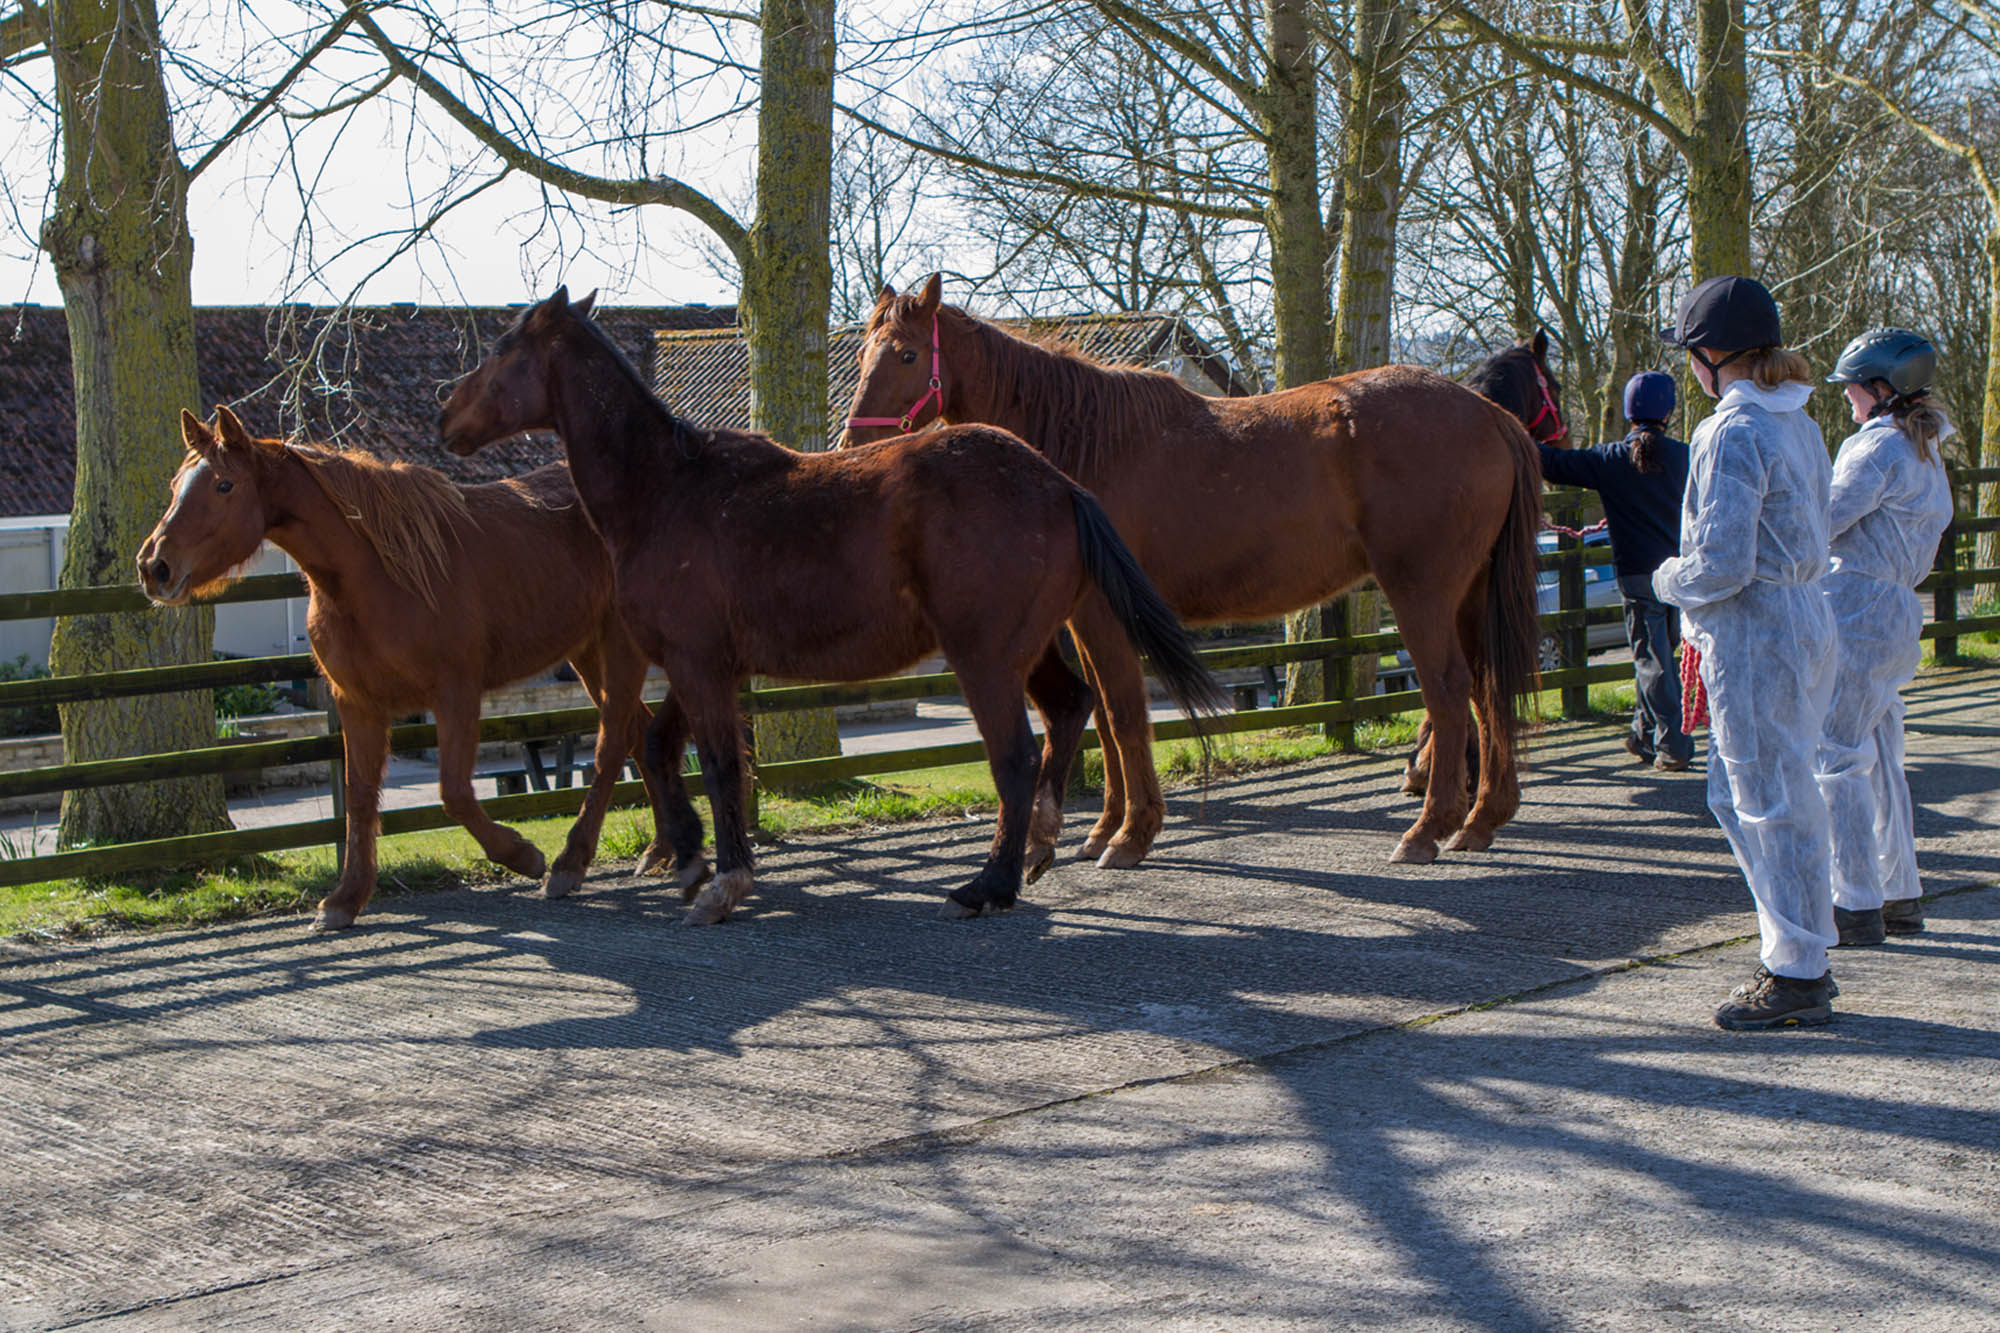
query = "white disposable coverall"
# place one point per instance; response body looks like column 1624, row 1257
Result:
column 1890, row 506
column 1747, row 581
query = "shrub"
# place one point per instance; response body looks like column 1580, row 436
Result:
column 31, row 719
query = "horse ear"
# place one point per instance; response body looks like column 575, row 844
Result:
column 582, row 308
column 196, row 436
column 231, row 431
column 1541, row 344
column 933, row 293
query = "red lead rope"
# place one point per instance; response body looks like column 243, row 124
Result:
column 1694, row 699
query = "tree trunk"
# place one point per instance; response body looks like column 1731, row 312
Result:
column 1300, row 310
column 1988, row 544
column 1718, row 185
column 1371, row 171
column 1634, row 302
column 1290, row 115
column 118, row 241
column 788, row 281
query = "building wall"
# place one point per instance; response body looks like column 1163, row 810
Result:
column 31, row 554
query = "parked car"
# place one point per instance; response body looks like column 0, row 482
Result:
column 1600, row 589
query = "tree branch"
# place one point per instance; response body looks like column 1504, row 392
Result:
column 25, row 30
column 1074, row 184
column 1675, row 125
column 271, row 95
column 655, row 190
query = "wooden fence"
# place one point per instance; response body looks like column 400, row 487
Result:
column 1338, row 712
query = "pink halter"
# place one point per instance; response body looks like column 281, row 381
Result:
column 1548, row 411
column 906, row 422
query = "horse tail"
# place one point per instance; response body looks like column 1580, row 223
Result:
column 1149, row 622
column 1513, row 627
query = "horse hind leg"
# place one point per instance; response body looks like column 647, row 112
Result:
column 458, row 744
column 1065, row 703
column 1125, row 728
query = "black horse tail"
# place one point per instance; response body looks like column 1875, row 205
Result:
column 1149, row 622
column 1513, row 630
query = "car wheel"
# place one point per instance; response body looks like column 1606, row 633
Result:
column 1549, row 651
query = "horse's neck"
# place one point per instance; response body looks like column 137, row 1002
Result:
column 987, row 388
column 616, row 436
column 305, row 524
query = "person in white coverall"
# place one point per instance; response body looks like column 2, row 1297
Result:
column 1891, row 503
column 1753, row 547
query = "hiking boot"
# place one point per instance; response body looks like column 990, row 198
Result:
column 1859, row 929
column 1667, row 763
column 1771, row 1001
column 1638, row 748
column 1903, row 916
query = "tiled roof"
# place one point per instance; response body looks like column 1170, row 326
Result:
column 704, row 374
column 384, row 371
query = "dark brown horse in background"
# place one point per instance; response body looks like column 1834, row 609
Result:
column 737, row 556
column 1517, row 378
column 424, row 594
column 1246, row 508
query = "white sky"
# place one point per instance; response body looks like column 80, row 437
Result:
column 506, row 247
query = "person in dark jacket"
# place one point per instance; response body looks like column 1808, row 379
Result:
column 1641, row 479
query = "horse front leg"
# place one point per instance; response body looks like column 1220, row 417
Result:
column 676, row 825
column 994, row 696
column 718, row 738
column 1121, row 686
column 1065, row 704
column 1447, row 686
column 364, row 737
column 458, row 747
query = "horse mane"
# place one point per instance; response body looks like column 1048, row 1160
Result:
column 1079, row 413
column 685, row 434
column 1503, row 378
column 404, row 510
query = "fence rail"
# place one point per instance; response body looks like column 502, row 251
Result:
column 1338, row 713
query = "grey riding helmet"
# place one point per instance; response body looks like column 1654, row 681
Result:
column 1898, row 358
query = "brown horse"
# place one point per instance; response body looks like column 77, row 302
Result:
column 737, row 556
column 424, row 594
column 1245, row 508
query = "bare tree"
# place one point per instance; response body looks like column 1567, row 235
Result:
column 116, row 233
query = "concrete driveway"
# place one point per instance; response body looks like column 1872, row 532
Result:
column 1265, row 1081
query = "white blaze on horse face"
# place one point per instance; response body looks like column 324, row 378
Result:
column 191, row 478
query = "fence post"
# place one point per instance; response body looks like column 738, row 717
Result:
column 1574, row 638
column 1944, row 598
column 322, row 694
column 1337, row 673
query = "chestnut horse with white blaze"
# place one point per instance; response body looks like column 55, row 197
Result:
column 424, row 595
column 736, row 556
column 1247, row 508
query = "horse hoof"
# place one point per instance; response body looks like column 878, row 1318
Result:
column 1469, row 840
column 1121, row 856
column 654, row 858
column 1093, row 847
column 691, row 877
column 1414, row 785
column 705, row 914
column 528, row 863
column 954, row 910
column 1412, row 852
column 1039, row 861
column 330, row 919
column 561, row 883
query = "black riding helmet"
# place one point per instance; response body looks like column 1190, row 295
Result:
column 1728, row 314
column 1896, row 358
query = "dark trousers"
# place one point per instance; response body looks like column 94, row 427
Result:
column 1654, row 630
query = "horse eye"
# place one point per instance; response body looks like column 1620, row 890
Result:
column 222, row 487
column 909, row 358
